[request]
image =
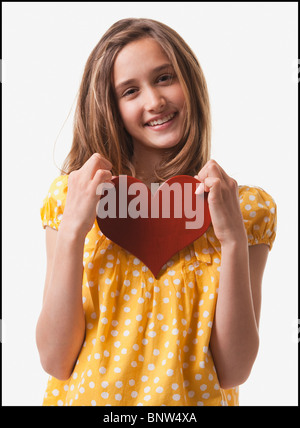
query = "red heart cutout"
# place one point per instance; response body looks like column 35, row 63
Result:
column 153, row 240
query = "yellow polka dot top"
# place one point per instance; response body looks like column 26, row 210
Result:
column 147, row 340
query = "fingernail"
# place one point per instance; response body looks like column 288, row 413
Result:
column 200, row 189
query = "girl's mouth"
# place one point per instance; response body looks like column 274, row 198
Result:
column 161, row 123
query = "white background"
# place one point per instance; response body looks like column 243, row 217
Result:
column 248, row 52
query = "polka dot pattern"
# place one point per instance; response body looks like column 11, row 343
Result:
column 147, row 339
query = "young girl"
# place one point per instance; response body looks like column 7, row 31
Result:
column 109, row 332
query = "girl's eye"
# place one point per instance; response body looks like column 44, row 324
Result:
column 166, row 78
column 128, row 92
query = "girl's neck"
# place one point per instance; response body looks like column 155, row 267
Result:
column 145, row 159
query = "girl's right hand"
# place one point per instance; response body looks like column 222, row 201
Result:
column 80, row 209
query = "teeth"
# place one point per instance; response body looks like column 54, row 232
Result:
column 161, row 121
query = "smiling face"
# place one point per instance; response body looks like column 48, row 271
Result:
column 149, row 96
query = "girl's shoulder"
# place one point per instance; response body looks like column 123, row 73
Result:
column 259, row 211
column 59, row 184
column 54, row 202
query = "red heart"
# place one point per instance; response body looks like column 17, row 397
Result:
column 154, row 240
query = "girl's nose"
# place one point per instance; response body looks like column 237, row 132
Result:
column 154, row 100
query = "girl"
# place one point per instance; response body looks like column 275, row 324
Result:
column 109, row 333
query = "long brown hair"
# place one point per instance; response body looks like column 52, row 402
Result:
column 97, row 122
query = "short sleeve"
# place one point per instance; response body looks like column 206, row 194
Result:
column 259, row 211
column 53, row 204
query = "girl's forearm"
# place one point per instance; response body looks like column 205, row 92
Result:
column 234, row 340
column 61, row 325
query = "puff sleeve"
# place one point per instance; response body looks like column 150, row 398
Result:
column 259, row 211
column 53, row 204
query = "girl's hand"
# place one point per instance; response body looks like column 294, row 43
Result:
column 80, row 209
column 223, row 201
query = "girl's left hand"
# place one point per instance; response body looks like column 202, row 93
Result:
column 223, row 201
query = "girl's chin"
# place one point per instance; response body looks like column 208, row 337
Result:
column 158, row 143
column 164, row 144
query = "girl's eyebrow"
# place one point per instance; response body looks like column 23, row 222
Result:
column 155, row 70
